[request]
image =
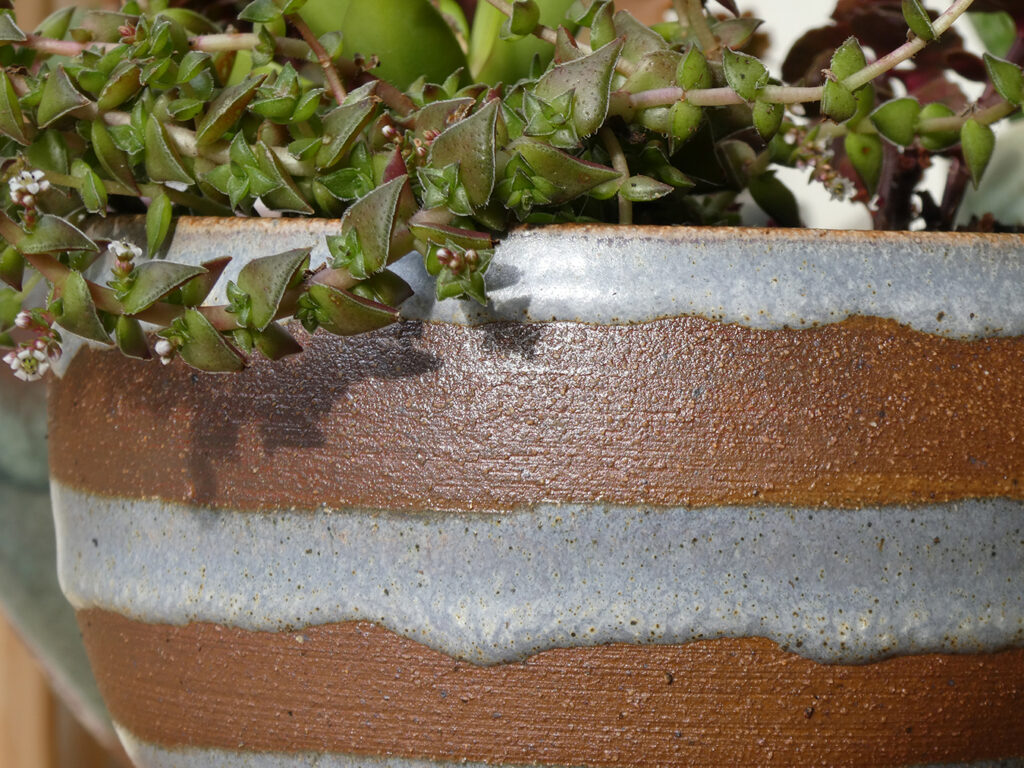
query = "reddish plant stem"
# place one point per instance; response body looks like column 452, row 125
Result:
column 330, row 73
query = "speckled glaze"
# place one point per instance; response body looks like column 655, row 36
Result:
column 799, row 449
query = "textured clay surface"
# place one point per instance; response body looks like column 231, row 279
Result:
column 682, row 411
column 357, row 688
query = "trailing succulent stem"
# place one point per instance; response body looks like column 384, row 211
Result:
column 160, row 109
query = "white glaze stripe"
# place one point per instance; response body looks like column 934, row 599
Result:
column 837, row 586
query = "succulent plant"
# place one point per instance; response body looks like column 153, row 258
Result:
column 158, row 108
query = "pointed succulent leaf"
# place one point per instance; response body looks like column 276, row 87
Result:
column 371, row 218
column 266, row 279
column 158, row 223
column 470, row 143
column 77, row 310
column 91, row 189
column 9, row 32
column 738, row 160
column 306, row 105
column 59, row 97
column 111, row 157
column 896, row 120
column 226, row 109
column 342, row 126
column 152, row 280
column 131, row 339
column 12, row 124
column 443, row 233
column 655, row 70
column 346, row 183
column 590, row 77
column 735, row 33
column 935, row 140
column 866, row 153
column 204, row 347
column 12, row 268
column 767, row 118
column 978, row 141
column 775, row 198
column 639, row 39
column 693, row 70
column 1007, row 78
column 525, row 16
column 183, row 110
column 848, row 59
column 642, row 189
column 260, row 12
column 569, row 176
column 438, row 115
column 123, row 83
column 345, row 314
column 192, row 64
column 286, row 195
column 55, row 235
column 163, row 163
column 275, row 342
column 744, row 74
column 838, row 102
column 385, row 288
column 193, row 292
column 602, row 25
column 56, row 24
column 918, row 20
column 684, row 120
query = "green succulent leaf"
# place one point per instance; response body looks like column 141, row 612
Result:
column 838, row 102
column 260, row 12
column 226, row 109
column 113, row 159
column 978, row 141
column 266, row 279
column 642, row 189
column 342, row 127
column 918, row 20
column 345, row 314
column 56, row 24
column 275, row 342
column 131, row 339
column 767, row 118
column 775, row 198
column 12, row 268
column 158, row 223
column 385, row 287
column 936, row 140
column 848, row 59
column 525, row 16
column 9, row 31
column 370, row 220
column 153, row 280
column 123, row 83
column 1007, row 78
column 567, row 177
column 193, row 292
column 77, row 310
column 91, row 189
column 866, row 154
column 204, row 347
column 896, row 120
column 163, row 163
column 12, row 122
column 693, row 71
column 469, row 144
column 590, row 79
column 285, row 195
column 55, row 235
column 745, row 74
column 59, row 97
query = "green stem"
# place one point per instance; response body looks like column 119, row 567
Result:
column 694, row 12
column 618, row 158
column 908, row 49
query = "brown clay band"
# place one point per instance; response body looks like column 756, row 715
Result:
column 683, row 411
column 358, row 688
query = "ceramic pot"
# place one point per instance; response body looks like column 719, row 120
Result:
column 724, row 497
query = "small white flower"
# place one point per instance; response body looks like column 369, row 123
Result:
column 163, row 347
column 124, row 250
column 23, row 319
column 28, row 364
column 26, row 185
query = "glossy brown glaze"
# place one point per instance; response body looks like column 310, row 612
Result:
column 679, row 411
column 358, row 688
